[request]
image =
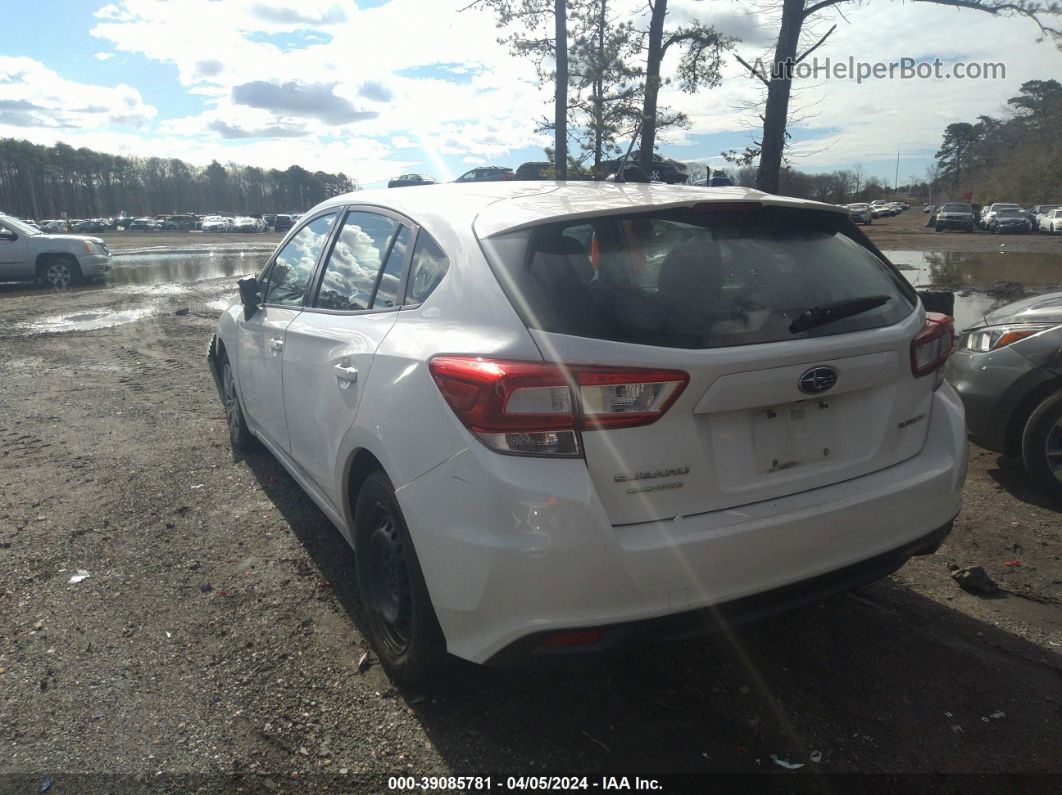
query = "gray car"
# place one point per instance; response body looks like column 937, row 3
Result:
column 1008, row 371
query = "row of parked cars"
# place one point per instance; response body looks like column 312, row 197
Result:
column 865, row 212
column 998, row 217
column 219, row 222
column 664, row 169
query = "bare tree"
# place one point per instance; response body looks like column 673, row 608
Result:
column 702, row 52
column 530, row 22
column 797, row 13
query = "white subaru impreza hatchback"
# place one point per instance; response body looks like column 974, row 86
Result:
column 554, row 418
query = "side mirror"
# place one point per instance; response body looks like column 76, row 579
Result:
column 7, row 234
column 249, row 296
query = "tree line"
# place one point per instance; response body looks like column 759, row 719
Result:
column 53, row 181
column 1015, row 158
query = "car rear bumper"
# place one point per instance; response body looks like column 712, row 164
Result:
column 515, row 548
column 955, row 223
column 533, row 651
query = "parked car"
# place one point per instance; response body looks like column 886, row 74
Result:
column 142, row 225
column 182, row 223
column 1036, row 213
column 487, row 174
column 244, row 223
column 989, row 212
column 1052, row 222
column 538, row 169
column 409, row 180
column 121, row 222
column 55, row 227
column 28, row 254
column 955, row 215
column 881, row 209
column 1007, row 220
column 860, row 213
column 282, row 223
column 217, row 223
column 720, row 181
column 269, row 218
column 91, row 225
column 557, row 448
column 664, row 169
column 1009, row 375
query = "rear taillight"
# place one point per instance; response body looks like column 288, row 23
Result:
column 537, row 408
column 932, row 346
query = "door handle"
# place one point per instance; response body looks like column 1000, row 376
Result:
column 346, row 373
column 276, row 344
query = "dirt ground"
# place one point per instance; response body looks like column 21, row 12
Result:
column 215, row 644
column 908, row 231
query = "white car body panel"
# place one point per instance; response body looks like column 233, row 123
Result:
column 543, row 554
column 511, row 545
column 259, row 368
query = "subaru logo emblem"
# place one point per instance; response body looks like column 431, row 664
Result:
column 817, row 380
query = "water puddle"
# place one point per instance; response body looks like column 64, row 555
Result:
column 88, row 321
column 177, row 267
column 980, row 280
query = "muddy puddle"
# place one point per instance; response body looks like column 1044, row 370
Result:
column 980, row 280
column 180, row 267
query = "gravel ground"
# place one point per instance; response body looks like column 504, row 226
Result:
column 216, row 642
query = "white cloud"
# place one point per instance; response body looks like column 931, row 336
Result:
column 35, row 96
column 349, row 100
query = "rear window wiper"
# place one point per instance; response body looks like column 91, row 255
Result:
column 828, row 313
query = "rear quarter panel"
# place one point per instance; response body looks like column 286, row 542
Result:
column 402, row 418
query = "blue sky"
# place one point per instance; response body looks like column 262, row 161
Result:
column 376, row 88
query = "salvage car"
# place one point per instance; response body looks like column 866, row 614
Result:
column 183, row 223
column 1009, row 374
column 1051, row 222
column 553, row 421
column 1007, row 220
column 410, row 180
column 662, row 169
column 216, row 223
column 27, row 254
column 860, row 213
column 955, row 215
column 1035, row 213
column 487, row 174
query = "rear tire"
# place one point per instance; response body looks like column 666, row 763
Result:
column 1041, row 446
column 403, row 629
column 60, row 272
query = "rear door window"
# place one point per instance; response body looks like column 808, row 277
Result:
column 366, row 242
column 695, row 279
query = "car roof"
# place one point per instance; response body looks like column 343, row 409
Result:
column 497, row 207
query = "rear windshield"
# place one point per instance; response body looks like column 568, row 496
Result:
column 690, row 279
column 958, row 208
